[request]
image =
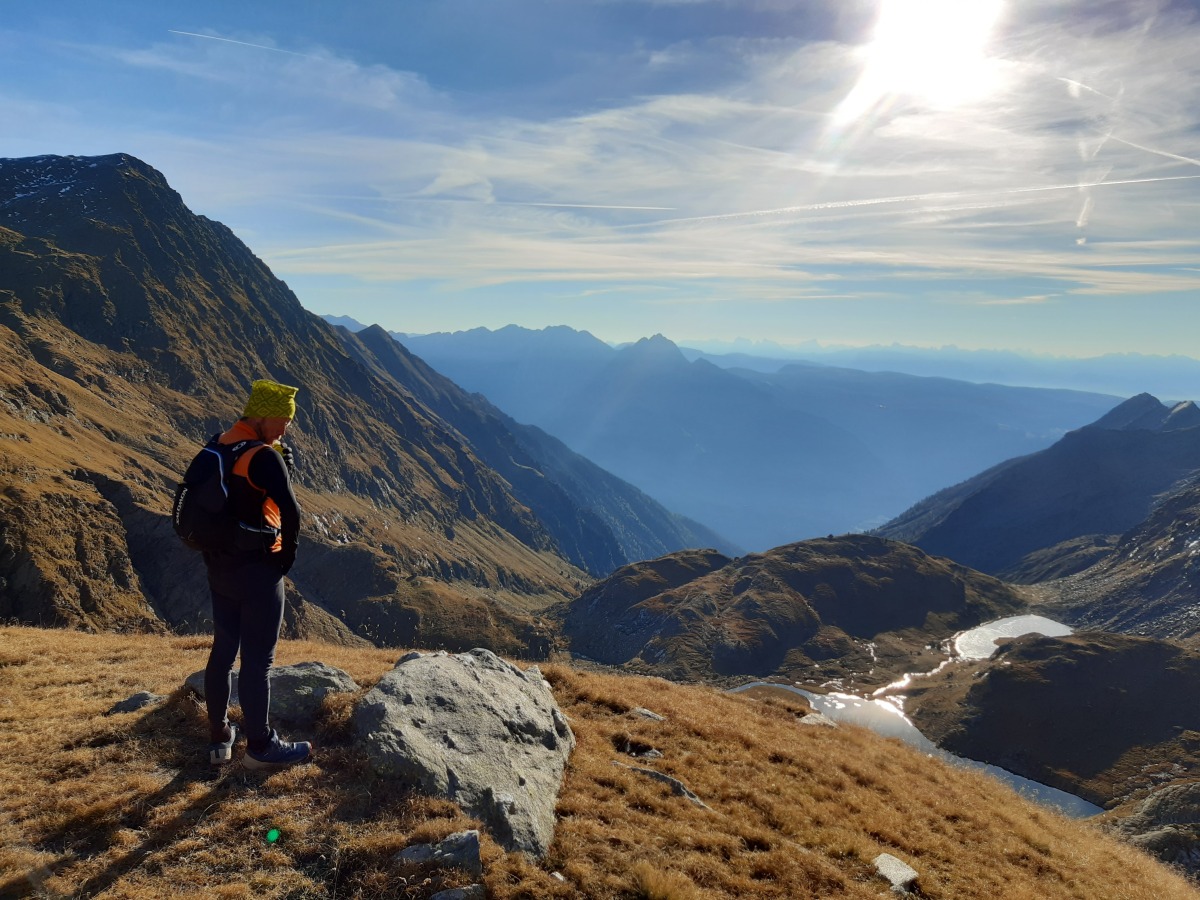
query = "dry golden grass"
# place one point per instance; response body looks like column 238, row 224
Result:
column 125, row 806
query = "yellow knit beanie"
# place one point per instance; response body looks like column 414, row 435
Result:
column 269, row 400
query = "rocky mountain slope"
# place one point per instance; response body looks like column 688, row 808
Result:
column 1147, row 582
column 599, row 521
column 857, row 609
column 131, row 329
column 1101, row 480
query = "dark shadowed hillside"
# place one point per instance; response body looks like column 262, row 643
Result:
column 1100, row 480
column 1091, row 713
column 856, row 607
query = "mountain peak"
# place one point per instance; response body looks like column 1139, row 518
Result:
column 54, row 195
column 1144, row 412
column 656, row 350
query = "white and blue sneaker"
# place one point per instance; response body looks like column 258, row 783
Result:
column 221, row 752
column 277, row 753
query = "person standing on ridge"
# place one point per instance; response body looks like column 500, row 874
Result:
column 247, row 581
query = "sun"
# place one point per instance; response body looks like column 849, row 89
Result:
column 930, row 51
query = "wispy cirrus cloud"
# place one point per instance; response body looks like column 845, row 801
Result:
column 1076, row 177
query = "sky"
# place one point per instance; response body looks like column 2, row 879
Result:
column 978, row 173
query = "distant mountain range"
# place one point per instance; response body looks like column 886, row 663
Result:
column 599, row 521
column 1123, row 374
column 763, row 458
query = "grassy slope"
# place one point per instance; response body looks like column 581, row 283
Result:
column 123, row 806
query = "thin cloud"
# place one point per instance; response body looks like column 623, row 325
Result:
column 213, row 37
column 1033, row 300
column 1070, row 177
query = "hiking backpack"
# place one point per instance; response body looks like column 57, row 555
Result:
column 202, row 515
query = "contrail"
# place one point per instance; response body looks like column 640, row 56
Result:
column 1087, row 87
column 213, row 37
column 1167, row 154
column 906, row 198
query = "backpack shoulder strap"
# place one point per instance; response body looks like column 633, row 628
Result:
column 242, row 458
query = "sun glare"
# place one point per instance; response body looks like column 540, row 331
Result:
column 932, row 51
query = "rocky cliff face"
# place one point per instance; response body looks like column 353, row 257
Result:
column 132, row 329
column 855, row 607
column 1147, row 582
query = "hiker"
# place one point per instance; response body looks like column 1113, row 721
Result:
column 247, row 581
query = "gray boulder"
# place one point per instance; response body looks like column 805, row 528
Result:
column 820, row 719
column 677, row 787
column 458, row 851
column 1166, row 824
column 647, row 714
column 470, row 892
column 476, row 730
column 297, row 691
column 902, row 876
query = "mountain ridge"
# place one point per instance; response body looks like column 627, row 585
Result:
column 855, row 609
column 1102, row 479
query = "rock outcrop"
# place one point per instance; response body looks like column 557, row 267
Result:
column 457, row 851
column 297, row 691
column 1166, row 824
column 476, row 730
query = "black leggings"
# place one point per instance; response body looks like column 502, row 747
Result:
column 247, row 607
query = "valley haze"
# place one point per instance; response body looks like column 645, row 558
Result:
column 762, row 454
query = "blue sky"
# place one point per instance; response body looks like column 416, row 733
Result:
column 989, row 174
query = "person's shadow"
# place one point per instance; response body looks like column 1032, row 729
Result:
column 171, row 735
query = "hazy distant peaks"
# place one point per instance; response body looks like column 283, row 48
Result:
column 351, row 325
column 656, row 350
